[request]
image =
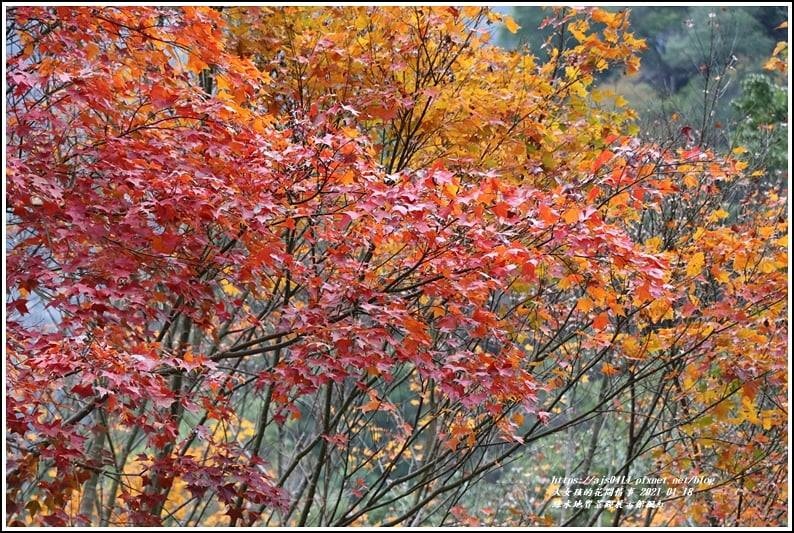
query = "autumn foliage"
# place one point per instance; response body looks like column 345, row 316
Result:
column 332, row 266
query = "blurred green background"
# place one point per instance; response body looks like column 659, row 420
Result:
column 703, row 67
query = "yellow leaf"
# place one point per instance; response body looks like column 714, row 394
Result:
column 631, row 348
column 608, row 369
column 657, row 310
column 578, row 89
column 222, row 83
column 782, row 45
column 768, row 419
column 578, row 28
column 598, row 95
column 603, row 16
column 195, row 64
column 739, row 150
column 351, row 133
column 361, row 22
column 775, row 64
column 617, row 309
column 571, row 215
column 598, row 293
column 511, row 25
column 229, row 289
column 493, row 16
column 550, row 490
column 620, row 200
column 720, row 275
column 451, row 190
column 695, row 264
column 739, row 262
column 471, row 11
column 766, row 266
column 748, row 411
column 699, row 234
column 372, row 404
column 717, row 215
column 654, row 243
column 348, row 177
column 585, row 304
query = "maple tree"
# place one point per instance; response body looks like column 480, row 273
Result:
column 332, row 266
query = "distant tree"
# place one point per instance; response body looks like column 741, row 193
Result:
column 682, row 42
column 763, row 106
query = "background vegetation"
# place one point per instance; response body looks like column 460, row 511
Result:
column 704, row 66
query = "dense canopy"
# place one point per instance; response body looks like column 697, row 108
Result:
column 348, row 266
